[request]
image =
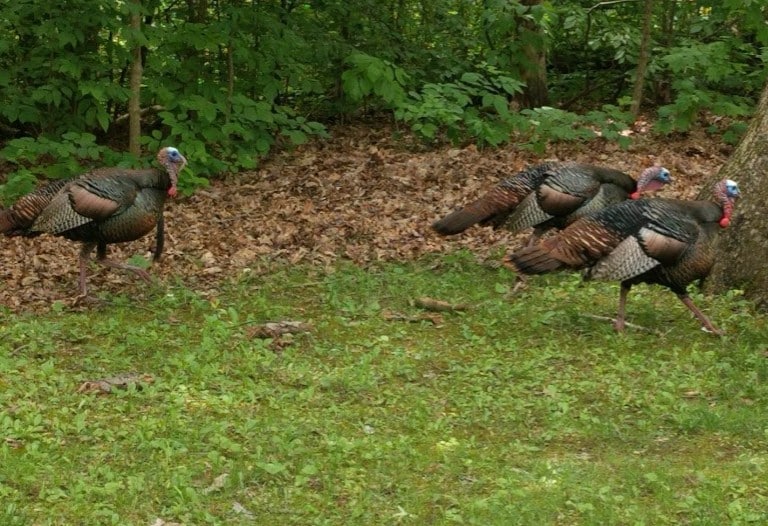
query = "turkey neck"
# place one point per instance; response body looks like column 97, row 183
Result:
column 703, row 211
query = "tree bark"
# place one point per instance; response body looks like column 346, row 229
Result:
column 134, row 102
column 743, row 247
column 642, row 59
column 534, row 71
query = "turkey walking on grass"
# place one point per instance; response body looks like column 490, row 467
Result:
column 107, row 205
column 662, row 241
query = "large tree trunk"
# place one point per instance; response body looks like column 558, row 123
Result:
column 743, row 248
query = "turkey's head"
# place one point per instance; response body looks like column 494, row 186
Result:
column 173, row 162
column 650, row 180
column 726, row 193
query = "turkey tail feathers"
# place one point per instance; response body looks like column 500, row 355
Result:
column 533, row 260
column 6, row 222
column 493, row 208
column 527, row 214
column 458, row 221
column 19, row 218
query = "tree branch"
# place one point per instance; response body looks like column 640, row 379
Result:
column 611, row 2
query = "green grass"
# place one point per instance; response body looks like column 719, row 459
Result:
column 522, row 410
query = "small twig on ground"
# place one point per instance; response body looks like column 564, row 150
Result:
column 435, row 319
column 438, row 305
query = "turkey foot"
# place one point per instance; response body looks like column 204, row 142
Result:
column 618, row 325
column 140, row 272
column 706, row 325
column 85, row 257
column 81, row 299
column 521, row 283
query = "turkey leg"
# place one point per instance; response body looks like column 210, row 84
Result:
column 618, row 324
column 85, row 256
column 706, row 324
column 101, row 258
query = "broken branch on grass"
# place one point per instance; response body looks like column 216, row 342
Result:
column 438, row 305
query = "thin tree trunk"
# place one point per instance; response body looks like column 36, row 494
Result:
column 134, row 103
column 534, row 72
column 642, row 60
column 743, row 247
column 230, row 78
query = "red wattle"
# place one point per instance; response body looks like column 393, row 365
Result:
column 634, row 195
column 172, row 191
column 725, row 221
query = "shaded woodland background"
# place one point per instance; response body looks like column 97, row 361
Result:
column 294, row 107
column 230, row 81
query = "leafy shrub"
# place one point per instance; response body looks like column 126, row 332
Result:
column 368, row 75
column 39, row 157
column 476, row 105
column 236, row 79
column 696, row 70
column 545, row 125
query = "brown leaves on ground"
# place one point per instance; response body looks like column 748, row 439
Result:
column 361, row 196
column 281, row 332
column 275, row 329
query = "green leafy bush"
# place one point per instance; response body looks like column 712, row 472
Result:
column 43, row 157
column 368, row 75
column 697, row 70
column 233, row 80
column 476, row 105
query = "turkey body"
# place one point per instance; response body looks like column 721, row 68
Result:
column 657, row 241
column 550, row 195
column 105, row 206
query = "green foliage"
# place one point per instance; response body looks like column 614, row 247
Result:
column 230, row 81
column 475, row 105
column 452, row 109
column 369, row 75
column 545, row 125
column 521, row 410
column 697, row 69
column 35, row 158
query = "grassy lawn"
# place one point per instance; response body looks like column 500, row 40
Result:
column 520, row 410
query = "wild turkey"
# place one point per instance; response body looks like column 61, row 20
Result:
column 551, row 195
column 108, row 205
column 662, row 241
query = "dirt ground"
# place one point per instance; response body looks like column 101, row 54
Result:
column 362, row 196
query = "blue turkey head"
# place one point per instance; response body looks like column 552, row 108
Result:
column 650, row 180
column 726, row 193
column 170, row 159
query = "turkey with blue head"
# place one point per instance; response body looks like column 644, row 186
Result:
column 101, row 207
column 551, row 195
column 668, row 242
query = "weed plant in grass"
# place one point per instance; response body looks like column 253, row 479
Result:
column 520, row 410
